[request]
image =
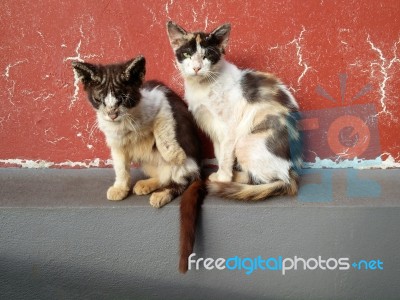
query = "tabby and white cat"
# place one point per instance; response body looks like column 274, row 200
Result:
column 149, row 124
column 247, row 114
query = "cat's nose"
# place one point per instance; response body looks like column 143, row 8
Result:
column 113, row 115
column 196, row 69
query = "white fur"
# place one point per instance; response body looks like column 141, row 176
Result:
column 110, row 100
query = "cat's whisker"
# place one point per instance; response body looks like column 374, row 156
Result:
column 176, row 77
column 175, row 64
column 93, row 128
column 211, row 76
column 134, row 125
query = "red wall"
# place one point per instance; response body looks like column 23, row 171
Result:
column 338, row 57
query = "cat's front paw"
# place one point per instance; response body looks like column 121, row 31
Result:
column 159, row 199
column 116, row 193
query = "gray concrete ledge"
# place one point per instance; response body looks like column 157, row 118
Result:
column 61, row 239
column 55, row 188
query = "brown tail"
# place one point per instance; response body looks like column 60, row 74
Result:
column 247, row 192
column 191, row 202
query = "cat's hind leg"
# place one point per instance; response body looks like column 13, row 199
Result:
column 167, row 194
column 261, row 164
column 146, row 186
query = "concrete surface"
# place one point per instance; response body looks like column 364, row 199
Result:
column 61, row 239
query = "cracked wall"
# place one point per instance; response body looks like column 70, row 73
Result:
column 339, row 58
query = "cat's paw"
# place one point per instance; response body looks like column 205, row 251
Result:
column 144, row 187
column 220, row 177
column 117, row 193
column 213, row 176
column 159, row 199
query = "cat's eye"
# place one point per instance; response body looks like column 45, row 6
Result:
column 186, row 55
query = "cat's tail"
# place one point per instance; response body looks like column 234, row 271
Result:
column 191, row 202
column 248, row 192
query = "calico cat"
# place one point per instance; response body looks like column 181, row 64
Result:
column 249, row 116
column 149, row 124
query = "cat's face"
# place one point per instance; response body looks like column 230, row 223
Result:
column 198, row 54
column 113, row 90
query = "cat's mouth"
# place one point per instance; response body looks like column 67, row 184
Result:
column 197, row 75
column 113, row 117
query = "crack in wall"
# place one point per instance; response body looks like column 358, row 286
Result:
column 5, row 119
column 384, row 67
column 297, row 42
column 76, row 77
column 79, row 58
column 152, row 13
column 56, row 140
column 43, row 95
column 10, row 91
column 118, row 36
column 194, row 15
column 89, row 136
column 299, row 53
column 10, row 82
column 51, row 137
column 9, row 66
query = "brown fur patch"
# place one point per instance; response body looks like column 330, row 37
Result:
column 185, row 128
column 191, row 202
column 258, row 87
column 284, row 100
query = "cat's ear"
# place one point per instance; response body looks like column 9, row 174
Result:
column 222, row 34
column 135, row 68
column 176, row 35
column 86, row 72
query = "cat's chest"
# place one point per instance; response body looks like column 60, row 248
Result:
column 124, row 136
column 215, row 100
column 115, row 133
column 139, row 146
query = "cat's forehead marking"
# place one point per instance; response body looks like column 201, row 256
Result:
column 198, row 39
column 110, row 100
